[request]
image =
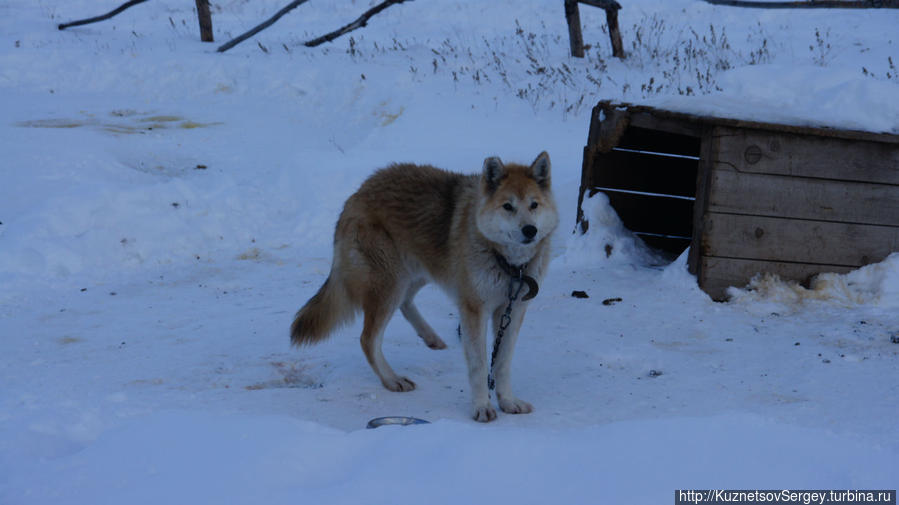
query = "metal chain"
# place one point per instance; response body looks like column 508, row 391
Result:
column 505, row 320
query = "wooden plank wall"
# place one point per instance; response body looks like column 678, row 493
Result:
column 794, row 205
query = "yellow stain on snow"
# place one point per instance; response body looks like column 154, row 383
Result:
column 387, row 117
column 123, row 122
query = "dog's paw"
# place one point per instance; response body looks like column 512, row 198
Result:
column 433, row 341
column 437, row 344
column 399, row 384
column 484, row 414
column 515, row 406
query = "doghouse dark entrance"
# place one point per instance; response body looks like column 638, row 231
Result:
column 650, row 180
column 649, row 176
column 747, row 197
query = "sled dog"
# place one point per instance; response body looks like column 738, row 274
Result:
column 479, row 237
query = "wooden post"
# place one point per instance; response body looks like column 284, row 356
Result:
column 205, row 20
column 614, row 33
column 573, row 16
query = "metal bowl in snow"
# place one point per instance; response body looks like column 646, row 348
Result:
column 400, row 420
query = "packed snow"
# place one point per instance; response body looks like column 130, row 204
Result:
column 165, row 209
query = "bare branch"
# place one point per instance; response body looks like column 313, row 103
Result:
column 237, row 40
column 108, row 15
column 811, row 4
column 358, row 23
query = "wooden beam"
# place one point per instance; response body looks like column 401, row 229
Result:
column 794, row 240
column 602, row 4
column 614, row 31
column 772, row 152
column 205, row 20
column 736, row 192
column 708, row 151
column 573, row 16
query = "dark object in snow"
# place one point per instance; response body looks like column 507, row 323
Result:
column 655, row 373
column 894, row 338
column 580, row 294
column 797, row 343
column 611, row 301
column 726, row 188
column 825, row 360
column 400, row 420
column 201, row 167
column 83, row 290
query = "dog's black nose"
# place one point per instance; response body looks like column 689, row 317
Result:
column 529, row 231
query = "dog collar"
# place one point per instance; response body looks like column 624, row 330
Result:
column 517, row 272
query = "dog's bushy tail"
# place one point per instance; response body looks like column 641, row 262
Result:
column 327, row 310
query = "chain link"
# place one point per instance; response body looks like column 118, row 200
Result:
column 505, row 320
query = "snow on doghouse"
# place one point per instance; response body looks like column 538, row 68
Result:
column 747, row 197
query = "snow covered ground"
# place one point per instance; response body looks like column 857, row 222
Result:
column 165, row 209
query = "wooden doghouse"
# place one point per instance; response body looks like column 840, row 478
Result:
column 747, row 197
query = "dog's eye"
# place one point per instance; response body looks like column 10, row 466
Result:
column 533, row 205
column 509, row 207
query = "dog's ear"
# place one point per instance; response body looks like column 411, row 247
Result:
column 494, row 171
column 540, row 170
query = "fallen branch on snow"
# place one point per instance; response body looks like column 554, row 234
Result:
column 108, row 15
column 237, row 40
column 358, row 23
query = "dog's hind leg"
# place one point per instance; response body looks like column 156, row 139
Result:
column 378, row 281
column 410, row 312
column 377, row 314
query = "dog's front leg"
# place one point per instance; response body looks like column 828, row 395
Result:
column 474, row 329
column 508, row 402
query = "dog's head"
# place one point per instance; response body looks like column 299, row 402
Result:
column 516, row 202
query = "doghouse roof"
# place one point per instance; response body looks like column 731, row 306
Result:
column 692, row 123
